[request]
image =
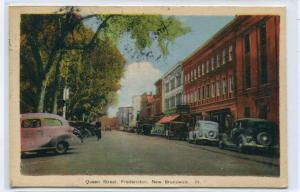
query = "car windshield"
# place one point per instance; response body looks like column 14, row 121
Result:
column 208, row 125
column 261, row 125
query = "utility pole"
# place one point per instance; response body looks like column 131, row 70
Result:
column 65, row 98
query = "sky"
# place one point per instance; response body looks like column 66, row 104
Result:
column 140, row 75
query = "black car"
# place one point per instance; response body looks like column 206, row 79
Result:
column 250, row 133
column 86, row 129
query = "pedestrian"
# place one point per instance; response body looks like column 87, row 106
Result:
column 98, row 130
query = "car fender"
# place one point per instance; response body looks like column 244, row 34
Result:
column 70, row 139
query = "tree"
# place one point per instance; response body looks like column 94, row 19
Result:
column 47, row 40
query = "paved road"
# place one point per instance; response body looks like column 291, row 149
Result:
column 129, row 153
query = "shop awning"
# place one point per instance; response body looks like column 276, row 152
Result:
column 167, row 119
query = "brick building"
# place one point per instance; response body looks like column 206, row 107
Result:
column 257, row 56
column 157, row 99
column 235, row 73
column 146, row 108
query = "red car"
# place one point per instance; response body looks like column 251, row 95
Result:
column 41, row 132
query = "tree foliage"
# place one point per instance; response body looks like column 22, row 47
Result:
column 59, row 50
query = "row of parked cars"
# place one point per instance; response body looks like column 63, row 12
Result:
column 42, row 132
column 246, row 133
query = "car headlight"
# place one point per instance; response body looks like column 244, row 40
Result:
column 211, row 133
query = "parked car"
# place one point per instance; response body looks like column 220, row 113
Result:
column 41, row 132
column 250, row 133
column 86, row 129
column 158, row 129
column 204, row 131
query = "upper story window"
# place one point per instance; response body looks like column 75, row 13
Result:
column 188, row 75
column 195, row 73
column 173, row 84
column 192, row 76
column 199, row 93
column 203, row 68
column 247, row 61
column 167, row 88
column 218, row 60
column 218, row 88
column 199, row 70
column 263, row 54
column 224, row 86
column 203, row 92
column 207, row 91
column 231, row 84
column 207, row 66
column 178, row 79
column 212, row 63
column 230, row 53
column 224, row 56
column 213, row 89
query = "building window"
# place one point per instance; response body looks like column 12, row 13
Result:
column 224, row 56
column 230, row 53
column 224, row 86
column 218, row 60
column 213, row 89
column 167, row 104
column 231, row 84
column 173, row 84
column 203, row 92
column 247, row 62
column 263, row 55
column 247, row 112
column 172, row 102
column 195, row 73
column 218, row 88
column 199, row 70
column 178, row 99
column 192, row 76
column 167, row 87
column 207, row 91
column 199, row 93
column 212, row 63
column 178, row 79
column 207, row 66
column 203, row 68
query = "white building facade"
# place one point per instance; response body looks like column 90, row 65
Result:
column 136, row 108
column 172, row 88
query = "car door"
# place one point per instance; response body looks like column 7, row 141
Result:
column 32, row 136
column 53, row 128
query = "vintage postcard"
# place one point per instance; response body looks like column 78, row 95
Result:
column 147, row 97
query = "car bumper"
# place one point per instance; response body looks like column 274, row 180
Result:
column 255, row 145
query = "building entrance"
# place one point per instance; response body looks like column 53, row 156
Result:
column 223, row 117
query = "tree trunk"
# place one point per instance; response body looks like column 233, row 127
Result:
column 54, row 107
column 40, row 108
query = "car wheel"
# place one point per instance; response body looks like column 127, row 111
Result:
column 61, row 148
column 221, row 145
column 240, row 145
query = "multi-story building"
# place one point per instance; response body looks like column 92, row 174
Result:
column 157, row 100
column 235, row 73
column 146, row 108
column 124, row 116
column 257, row 67
column 136, row 108
column 172, row 89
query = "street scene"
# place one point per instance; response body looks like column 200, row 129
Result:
column 117, row 94
column 122, row 153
